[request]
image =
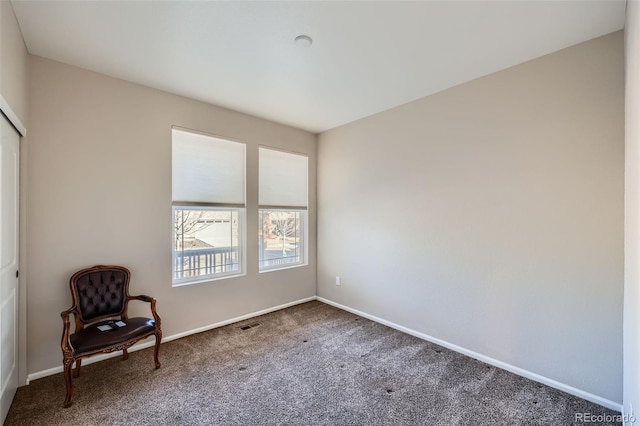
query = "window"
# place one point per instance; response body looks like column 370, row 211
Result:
column 208, row 187
column 282, row 224
column 281, row 238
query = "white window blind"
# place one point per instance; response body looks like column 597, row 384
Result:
column 207, row 169
column 283, row 178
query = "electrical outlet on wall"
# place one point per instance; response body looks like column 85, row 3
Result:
column 338, row 281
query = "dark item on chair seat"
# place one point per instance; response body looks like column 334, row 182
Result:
column 100, row 303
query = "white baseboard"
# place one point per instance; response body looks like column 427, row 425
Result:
column 148, row 343
column 516, row 370
column 628, row 419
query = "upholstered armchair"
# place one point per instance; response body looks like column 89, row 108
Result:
column 100, row 301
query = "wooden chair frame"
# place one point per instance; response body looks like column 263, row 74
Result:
column 69, row 354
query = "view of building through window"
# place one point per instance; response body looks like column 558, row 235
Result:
column 280, row 236
column 206, row 242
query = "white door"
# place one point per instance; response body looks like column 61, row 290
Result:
column 9, row 163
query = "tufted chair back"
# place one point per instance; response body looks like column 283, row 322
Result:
column 100, row 292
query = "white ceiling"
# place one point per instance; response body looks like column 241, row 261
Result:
column 366, row 56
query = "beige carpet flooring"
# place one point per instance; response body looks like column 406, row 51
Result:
column 311, row 364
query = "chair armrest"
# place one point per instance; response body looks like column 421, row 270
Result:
column 142, row 297
column 67, row 348
column 148, row 299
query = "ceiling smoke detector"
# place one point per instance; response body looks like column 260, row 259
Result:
column 303, row 41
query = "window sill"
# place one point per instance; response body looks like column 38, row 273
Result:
column 297, row 265
column 205, row 280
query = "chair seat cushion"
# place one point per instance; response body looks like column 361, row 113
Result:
column 92, row 339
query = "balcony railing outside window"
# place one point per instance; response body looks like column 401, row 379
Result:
column 206, row 261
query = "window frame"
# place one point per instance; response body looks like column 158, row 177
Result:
column 178, row 282
column 189, row 205
column 304, row 231
column 304, row 217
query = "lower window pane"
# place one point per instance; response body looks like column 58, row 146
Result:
column 281, row 238
column 206, row 242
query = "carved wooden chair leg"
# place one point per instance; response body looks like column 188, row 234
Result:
column 68, row 381
column 76, row 372
column 156, row 350
column 125, row 355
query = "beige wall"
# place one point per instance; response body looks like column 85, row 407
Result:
column 490, row 216
column 632, row 214
column 14, row 78
column 508, row 191
column 14, row 84
column 100, row 192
